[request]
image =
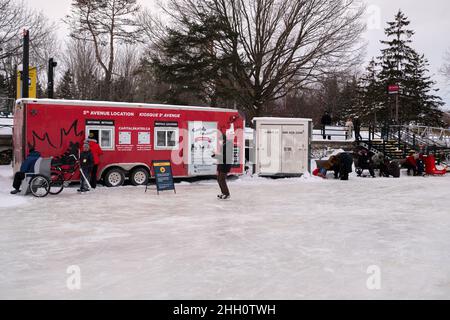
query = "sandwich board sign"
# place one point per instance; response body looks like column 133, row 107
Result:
column 163, row 175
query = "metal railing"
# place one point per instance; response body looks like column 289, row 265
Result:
column 332, row 132
column 405, row 138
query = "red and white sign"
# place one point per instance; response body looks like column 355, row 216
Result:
column 393, row 89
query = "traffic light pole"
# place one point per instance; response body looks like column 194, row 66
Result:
column 26, row 63
column 396, row 108
column 51, row 64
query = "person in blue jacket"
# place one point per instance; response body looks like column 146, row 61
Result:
column 26, row 167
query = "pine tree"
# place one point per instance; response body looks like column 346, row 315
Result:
column 366, row 102
column 393, row 62
column 401, row 65
column 191, row 65
column 422, row 106
column 66, row 88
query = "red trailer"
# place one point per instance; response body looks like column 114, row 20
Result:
column 131, row 135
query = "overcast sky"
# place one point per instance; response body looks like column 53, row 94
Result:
column 430, row 20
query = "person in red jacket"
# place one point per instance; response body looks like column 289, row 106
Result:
column 96, row 151
column 411, row 163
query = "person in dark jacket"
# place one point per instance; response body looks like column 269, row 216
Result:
column 325, row 121
column 357, row 128
column 343, row 166
column 86, row 165
column 26, row 167
column 224, row 162
column 365, row 161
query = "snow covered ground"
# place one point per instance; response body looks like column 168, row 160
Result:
column 300, row 238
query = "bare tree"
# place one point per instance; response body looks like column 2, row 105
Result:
column 107, row 24
column 14, row 17
column 126, row 82
column 277, row 45
column 80, row 60
column 446, row 67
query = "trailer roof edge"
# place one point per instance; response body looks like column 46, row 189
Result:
column 93, row 103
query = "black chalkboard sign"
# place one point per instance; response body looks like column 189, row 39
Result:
column 163, row 175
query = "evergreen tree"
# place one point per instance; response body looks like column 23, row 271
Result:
column 393, row 62
column 191, row 64
column 401, row 65
column 366, row 102
column 421, row 105
column 66, row 88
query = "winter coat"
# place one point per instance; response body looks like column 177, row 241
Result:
column 411, row 161
column 225, row 159
column 86, row 160
column 96, row 151
column 28, row 164
column 326, row 120
column 345, row 162
column 330, row 163
column 356, row 124
column 378, row 159
column 349, row 126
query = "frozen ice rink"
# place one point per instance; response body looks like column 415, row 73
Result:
column 300, row 238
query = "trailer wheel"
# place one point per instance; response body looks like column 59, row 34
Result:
column 139, row 177
column 114, row 178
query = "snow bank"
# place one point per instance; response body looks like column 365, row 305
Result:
column 8, row 200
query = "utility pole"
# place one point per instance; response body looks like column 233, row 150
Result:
column 396, row 108
column 51, row 64
column 26, row 63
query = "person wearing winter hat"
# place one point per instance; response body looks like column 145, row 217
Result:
column 97, row 152
column 86, row 165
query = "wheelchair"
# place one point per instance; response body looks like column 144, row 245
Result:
column 39, row 182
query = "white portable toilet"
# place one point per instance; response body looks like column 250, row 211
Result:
column 283, row 146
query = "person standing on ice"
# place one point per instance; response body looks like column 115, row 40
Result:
column 349, row 128
column 357, row 128
column 86, row 165
column 224, row 161
column 96, row 153
column 325, row 121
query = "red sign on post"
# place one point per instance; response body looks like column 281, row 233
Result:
column 393, row 89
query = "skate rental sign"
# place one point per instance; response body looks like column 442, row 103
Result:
column 163, row 175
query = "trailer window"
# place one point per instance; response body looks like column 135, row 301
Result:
column 104, row 136
column 166, row 138
column 107, row 139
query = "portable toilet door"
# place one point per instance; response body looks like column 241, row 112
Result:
column 294, row 149
column 269, row 155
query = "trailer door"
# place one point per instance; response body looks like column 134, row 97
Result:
column 19, row 136
column 294, row 149
column 269, row 149
column 202, row 144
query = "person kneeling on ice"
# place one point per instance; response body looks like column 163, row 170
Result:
column 224, row 161
column 330, row 164
column 26, row 167
column 86, row 165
